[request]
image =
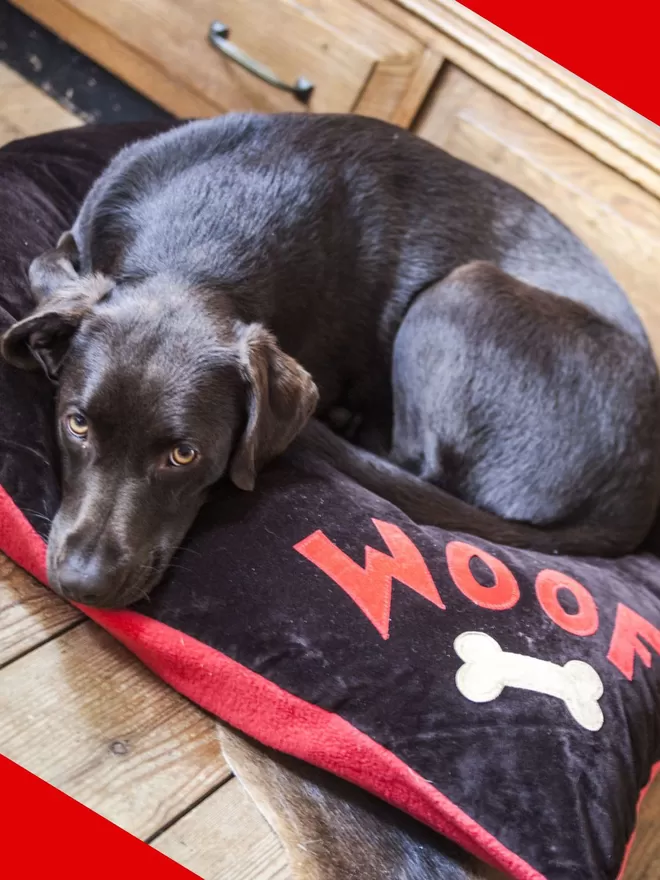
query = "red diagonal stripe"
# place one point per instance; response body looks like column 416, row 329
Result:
column 613, row 46
column 46, row 833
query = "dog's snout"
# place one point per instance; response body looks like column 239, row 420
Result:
column 84, row 567
column 98, row 571
column 84, row 577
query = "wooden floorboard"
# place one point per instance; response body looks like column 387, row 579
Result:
column 29, row 614
column 226, row 838
column 84, row 714
column 25, row 110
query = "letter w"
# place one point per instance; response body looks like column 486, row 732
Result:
column 371, row 587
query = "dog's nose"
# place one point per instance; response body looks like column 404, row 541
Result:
column 84, row 578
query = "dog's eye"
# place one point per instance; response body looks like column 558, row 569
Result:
column 77, row 425
column 182, row 454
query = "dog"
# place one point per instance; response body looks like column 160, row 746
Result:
column 231, row 278
column 239, row 284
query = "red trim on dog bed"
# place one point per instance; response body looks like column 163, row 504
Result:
column 270, row 714
column 19, row 541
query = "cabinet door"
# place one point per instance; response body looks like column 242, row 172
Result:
column 355, row 59
column 617, row 219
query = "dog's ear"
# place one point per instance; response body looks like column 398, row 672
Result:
column 42, row 339
column 281, row 398
column 55, row 268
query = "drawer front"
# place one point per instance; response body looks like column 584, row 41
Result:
column 355, row 60
column 617, row 219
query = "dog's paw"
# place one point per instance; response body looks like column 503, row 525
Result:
column 344, row 422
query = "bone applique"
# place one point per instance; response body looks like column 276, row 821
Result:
column 487, row 670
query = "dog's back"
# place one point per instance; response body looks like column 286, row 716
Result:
column 297, row 216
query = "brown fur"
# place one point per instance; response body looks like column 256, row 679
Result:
column 331, row 830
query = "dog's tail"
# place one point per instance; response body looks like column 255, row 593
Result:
column 427, row 504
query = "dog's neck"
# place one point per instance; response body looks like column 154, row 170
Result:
column 169, row 294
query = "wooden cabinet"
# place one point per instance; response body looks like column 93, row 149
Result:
column 355, row 59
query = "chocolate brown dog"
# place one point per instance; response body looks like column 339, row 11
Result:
column 229, row 278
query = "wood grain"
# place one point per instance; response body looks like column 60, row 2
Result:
column 570, row 106
column 549, row 80
column 417, row 89
column 85, row 715
column 226, row 838
column 29, row 613
column 161, row 48
column 613, row 216
column 25, row 110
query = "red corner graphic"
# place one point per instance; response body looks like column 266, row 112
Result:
column 611, row 47
column 46, row 833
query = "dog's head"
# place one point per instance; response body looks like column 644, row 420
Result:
column 159, row 396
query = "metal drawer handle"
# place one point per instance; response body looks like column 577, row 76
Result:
column 219, row 37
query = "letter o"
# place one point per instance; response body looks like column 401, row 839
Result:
column 502, row 595
column 584, row 622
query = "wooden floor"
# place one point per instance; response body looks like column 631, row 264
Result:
column 82, row 713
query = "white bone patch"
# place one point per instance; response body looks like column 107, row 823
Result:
column 487, row 670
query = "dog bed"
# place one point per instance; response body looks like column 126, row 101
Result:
column 508, row 699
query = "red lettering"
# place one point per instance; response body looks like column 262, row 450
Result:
column 584, row 622
column 371, row 587
column 625, row 644
column 502, row 595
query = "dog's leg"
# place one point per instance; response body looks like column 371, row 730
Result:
column 525, row 418
column 527, row 404
column 333, row 831
column 344, row 422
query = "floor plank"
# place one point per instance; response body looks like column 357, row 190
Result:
column 29, row 613
column 226, row 838
column 86, row 716
column 25, row 110
column 644, row 861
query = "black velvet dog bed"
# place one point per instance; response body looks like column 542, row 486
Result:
column 427, row 667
